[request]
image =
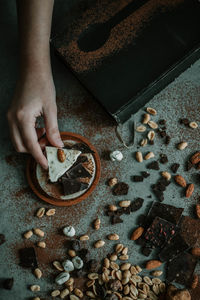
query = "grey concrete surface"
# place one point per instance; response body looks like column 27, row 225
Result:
column 78, row 113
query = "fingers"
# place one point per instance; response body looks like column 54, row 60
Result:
column 51, row 125
column 16, row 137
column 40, row 132
column 30, row 139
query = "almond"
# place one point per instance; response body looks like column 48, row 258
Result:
column 189, row 191
column 152, row 264
column 195, row 281
column 137, row 233
column 195, row 159
column 61, row 155
column 196, row 251
column 180, row 180
column 198, row 210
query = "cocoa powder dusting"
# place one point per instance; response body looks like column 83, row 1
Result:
column 120, row 36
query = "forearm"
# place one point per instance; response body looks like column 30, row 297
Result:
column 34, row 18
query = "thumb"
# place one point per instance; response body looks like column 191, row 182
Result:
column 51, row 126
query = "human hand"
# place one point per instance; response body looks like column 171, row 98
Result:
column 34, row 97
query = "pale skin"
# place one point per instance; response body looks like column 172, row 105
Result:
column 35, row 92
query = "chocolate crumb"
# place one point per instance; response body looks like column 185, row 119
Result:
column 137, row 178
column 167, row 140
column 162, row 133
column 189, row 165
column 120, row 188
column 153, row 165
column 145, row 174
column 2, row 239
column 28, row 258
column 151, row 142
column 163, row 158
column 175, row 167
column 184, row 121
column 8, row 283
column 146, row 251
column 116, row 220
column 162, row 122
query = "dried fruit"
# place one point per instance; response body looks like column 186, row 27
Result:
column 198, row 210
column 61, row 155
column 189, row 190
column 180, row 180
column 97, row 224
column 153, row 264
column 195, row 251
column 195, row 159
column 139, row 156
column 41, row 244
column 84, row 237
column 40, row 213
column 182, row 145
column 99, row 244
column 140, row 128
column 153, row 124
column 39, row 232
column 195, row 281
column 112, row 182
column 124, row 203
column 166, row 175
column 28, row 234
column 146, row 118
column 151, row 111
column 113, row 237
column 51, row 212
column 149, row 155
column 38, row 273
column 35, row 288
column 137, row 233
column 193, row 125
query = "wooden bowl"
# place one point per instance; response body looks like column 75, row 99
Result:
column 35, row 186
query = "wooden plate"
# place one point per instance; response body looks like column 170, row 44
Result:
column 36, row 187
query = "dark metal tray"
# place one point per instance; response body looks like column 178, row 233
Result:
column 126, row 80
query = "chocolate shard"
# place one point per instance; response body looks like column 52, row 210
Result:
column 136, row 204
column 71, row 186
column 165, row 211
column 167, row 140
column 81, row 159
column 184, row 121
column 137, row 178
column 159, row 195
column 8, row 283
column 160, row 232
column 2, row 239
column 153, row 165
column 145, row 174
column 181, row 269
column 82, row 147
column 173, row 248
column 28, row 258
column 175, row 167
column 189, row 165
column 78, row 172
column 162, row 122
column 116, row 220
column 121, row 188
column 163, row 158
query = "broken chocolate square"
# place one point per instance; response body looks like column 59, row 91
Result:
column 164, row 211
column 167, row 140
column 145, row 174
column 160, row 232
column 159, row 195
column 136, row 204
column 8, row 283
column 2, row 239
column 174, row 167
column 116, row 220
column 181, row 269
column 81, row 159
column 137, row 178
column 162, row 122
column 28, row 258
column 173, row 248
column 163, row 158
column 153, row 165
column 121, row 188
column 77, row 172
column 82, row 147
column 71, row 186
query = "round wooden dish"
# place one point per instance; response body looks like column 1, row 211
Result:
column 35, row 186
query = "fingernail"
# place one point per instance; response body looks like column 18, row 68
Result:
column 59, row 143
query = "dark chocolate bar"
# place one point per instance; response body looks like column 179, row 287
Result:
column 71, row 186
column 78, row 172
column 28, row 258
column 181, row 269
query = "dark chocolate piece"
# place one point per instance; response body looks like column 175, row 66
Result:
column 28, row 258
column 137, row 178
column 167, row 140
column 2, row 239
column 121, row 188
column 126, row 210
column 163, row 158
column 175, row 167
column 141, row 220
column 164, row 211
column 116, row 220
column 160, row 232
column 153, row 165
column 184, row 121
column 146, row 251
column 100, row 290
column 195, row 292
column 136, row 204
column 151, row 142
column 71, row 186
column 77, row 172
column 162, row 133
column 181, row 269
column 85, row 255
column 8, row 283
column 173, row 248
column 82, row 147
column 162, row 122
column 81, row 159
column 159, row 195
column 145, row 174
